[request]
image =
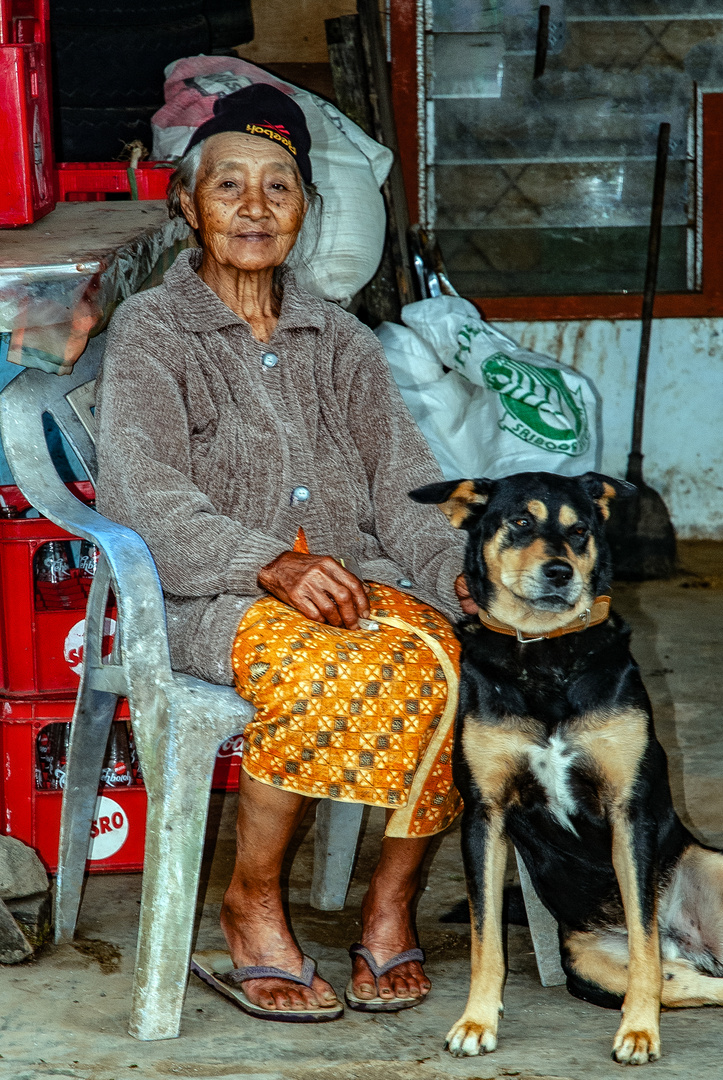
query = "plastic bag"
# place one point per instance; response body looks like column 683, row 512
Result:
column 499, row 409
column 348, row 168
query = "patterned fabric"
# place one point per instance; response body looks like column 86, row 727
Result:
column 350, row 715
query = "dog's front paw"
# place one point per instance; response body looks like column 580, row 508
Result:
column 636, row 1047
column 469, row 1037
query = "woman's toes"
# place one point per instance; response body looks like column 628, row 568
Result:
column 417, row 981
column 323, row 992
column 260, row 995
column 402, row 988
column 282, row 999
column 302, row 999
column 362, row 981
column 365, row 989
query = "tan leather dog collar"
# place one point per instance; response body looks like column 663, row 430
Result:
column 590, row 617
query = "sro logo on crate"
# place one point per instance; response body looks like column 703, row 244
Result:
column 73, row 648
column 109, row 829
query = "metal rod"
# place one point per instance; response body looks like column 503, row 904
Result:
column 635, row 460
column 543, row 37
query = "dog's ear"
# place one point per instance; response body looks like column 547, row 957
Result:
column 604, row 488
column 461, row 500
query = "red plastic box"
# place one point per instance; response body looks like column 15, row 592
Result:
column 91, row 181
column 33, row 816
column 26, row 159
column 41, row 648
column 227, row 772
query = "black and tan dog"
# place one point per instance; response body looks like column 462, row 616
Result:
column 555, row 746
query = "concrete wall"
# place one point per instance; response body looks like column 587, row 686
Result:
column 683, row 435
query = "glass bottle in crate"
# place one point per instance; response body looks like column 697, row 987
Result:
column 117, row 770
column 58, row 756
column 53, row 578
column 135, row 762
column 43, row 754
column 88, row 560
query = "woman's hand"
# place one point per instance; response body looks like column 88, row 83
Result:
column 463, row 595
column 318, row 587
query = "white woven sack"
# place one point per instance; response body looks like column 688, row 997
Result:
column 348, row 168
column 442, row 403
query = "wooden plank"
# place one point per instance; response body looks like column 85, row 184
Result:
column 291, row 33
column 77, row 232
column 384, row 129
column 380, row 300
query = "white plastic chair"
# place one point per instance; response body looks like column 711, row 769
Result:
column 178, row 721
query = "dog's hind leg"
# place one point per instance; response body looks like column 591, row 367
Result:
column 485, row 856
column 597, row 967
column 690, row 911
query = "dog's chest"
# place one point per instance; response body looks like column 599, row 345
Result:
column 501, row 756
column 551, row 766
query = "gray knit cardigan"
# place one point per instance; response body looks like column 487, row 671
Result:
column 201, row 445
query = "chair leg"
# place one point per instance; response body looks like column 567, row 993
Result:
column 543, row 928
column 335, row 842
column 88, row 739
column 175, row 830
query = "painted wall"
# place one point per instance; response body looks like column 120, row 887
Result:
column 683, row 434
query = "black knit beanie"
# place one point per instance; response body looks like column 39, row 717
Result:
column 264, row 111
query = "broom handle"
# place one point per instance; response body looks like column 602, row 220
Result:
column 635, row 459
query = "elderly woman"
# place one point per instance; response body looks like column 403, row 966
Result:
column 253, row 437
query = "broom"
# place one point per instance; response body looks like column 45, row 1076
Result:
column 641, row 535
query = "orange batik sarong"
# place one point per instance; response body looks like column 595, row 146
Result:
column 361, row 716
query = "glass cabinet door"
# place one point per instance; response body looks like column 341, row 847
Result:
column 542, row 186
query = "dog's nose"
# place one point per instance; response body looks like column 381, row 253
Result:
column 557, row 571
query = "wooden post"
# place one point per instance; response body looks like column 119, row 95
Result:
column 380, row 96
column 391, row 286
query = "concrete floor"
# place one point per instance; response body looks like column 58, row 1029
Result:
column 65, row 1014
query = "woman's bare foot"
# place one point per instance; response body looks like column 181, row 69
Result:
column 255, row 928
column 388, row 925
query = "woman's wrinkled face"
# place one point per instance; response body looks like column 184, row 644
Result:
column 249, row 203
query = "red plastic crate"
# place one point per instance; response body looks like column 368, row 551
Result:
column 26, row 157
column 227, row 771
column 33, row 816
column 41, row 648
column 91, row 181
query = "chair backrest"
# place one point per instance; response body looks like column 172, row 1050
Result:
column 126, row 562
column 69, row 399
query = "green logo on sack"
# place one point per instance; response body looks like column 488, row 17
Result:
column 540, row 407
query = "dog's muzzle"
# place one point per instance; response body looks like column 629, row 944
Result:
column 554, row 586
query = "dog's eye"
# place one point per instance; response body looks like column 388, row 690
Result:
column 580, row 530
column 522, row 523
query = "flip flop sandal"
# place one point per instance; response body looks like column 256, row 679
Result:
column 380, row 1004
column 216, row 968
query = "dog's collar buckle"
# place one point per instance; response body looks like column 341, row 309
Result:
column 526, row 640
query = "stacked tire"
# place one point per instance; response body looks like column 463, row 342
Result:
column 108, row 61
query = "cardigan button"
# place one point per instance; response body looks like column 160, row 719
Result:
column 404, row 583
column 300, row 495
column 269, row 359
